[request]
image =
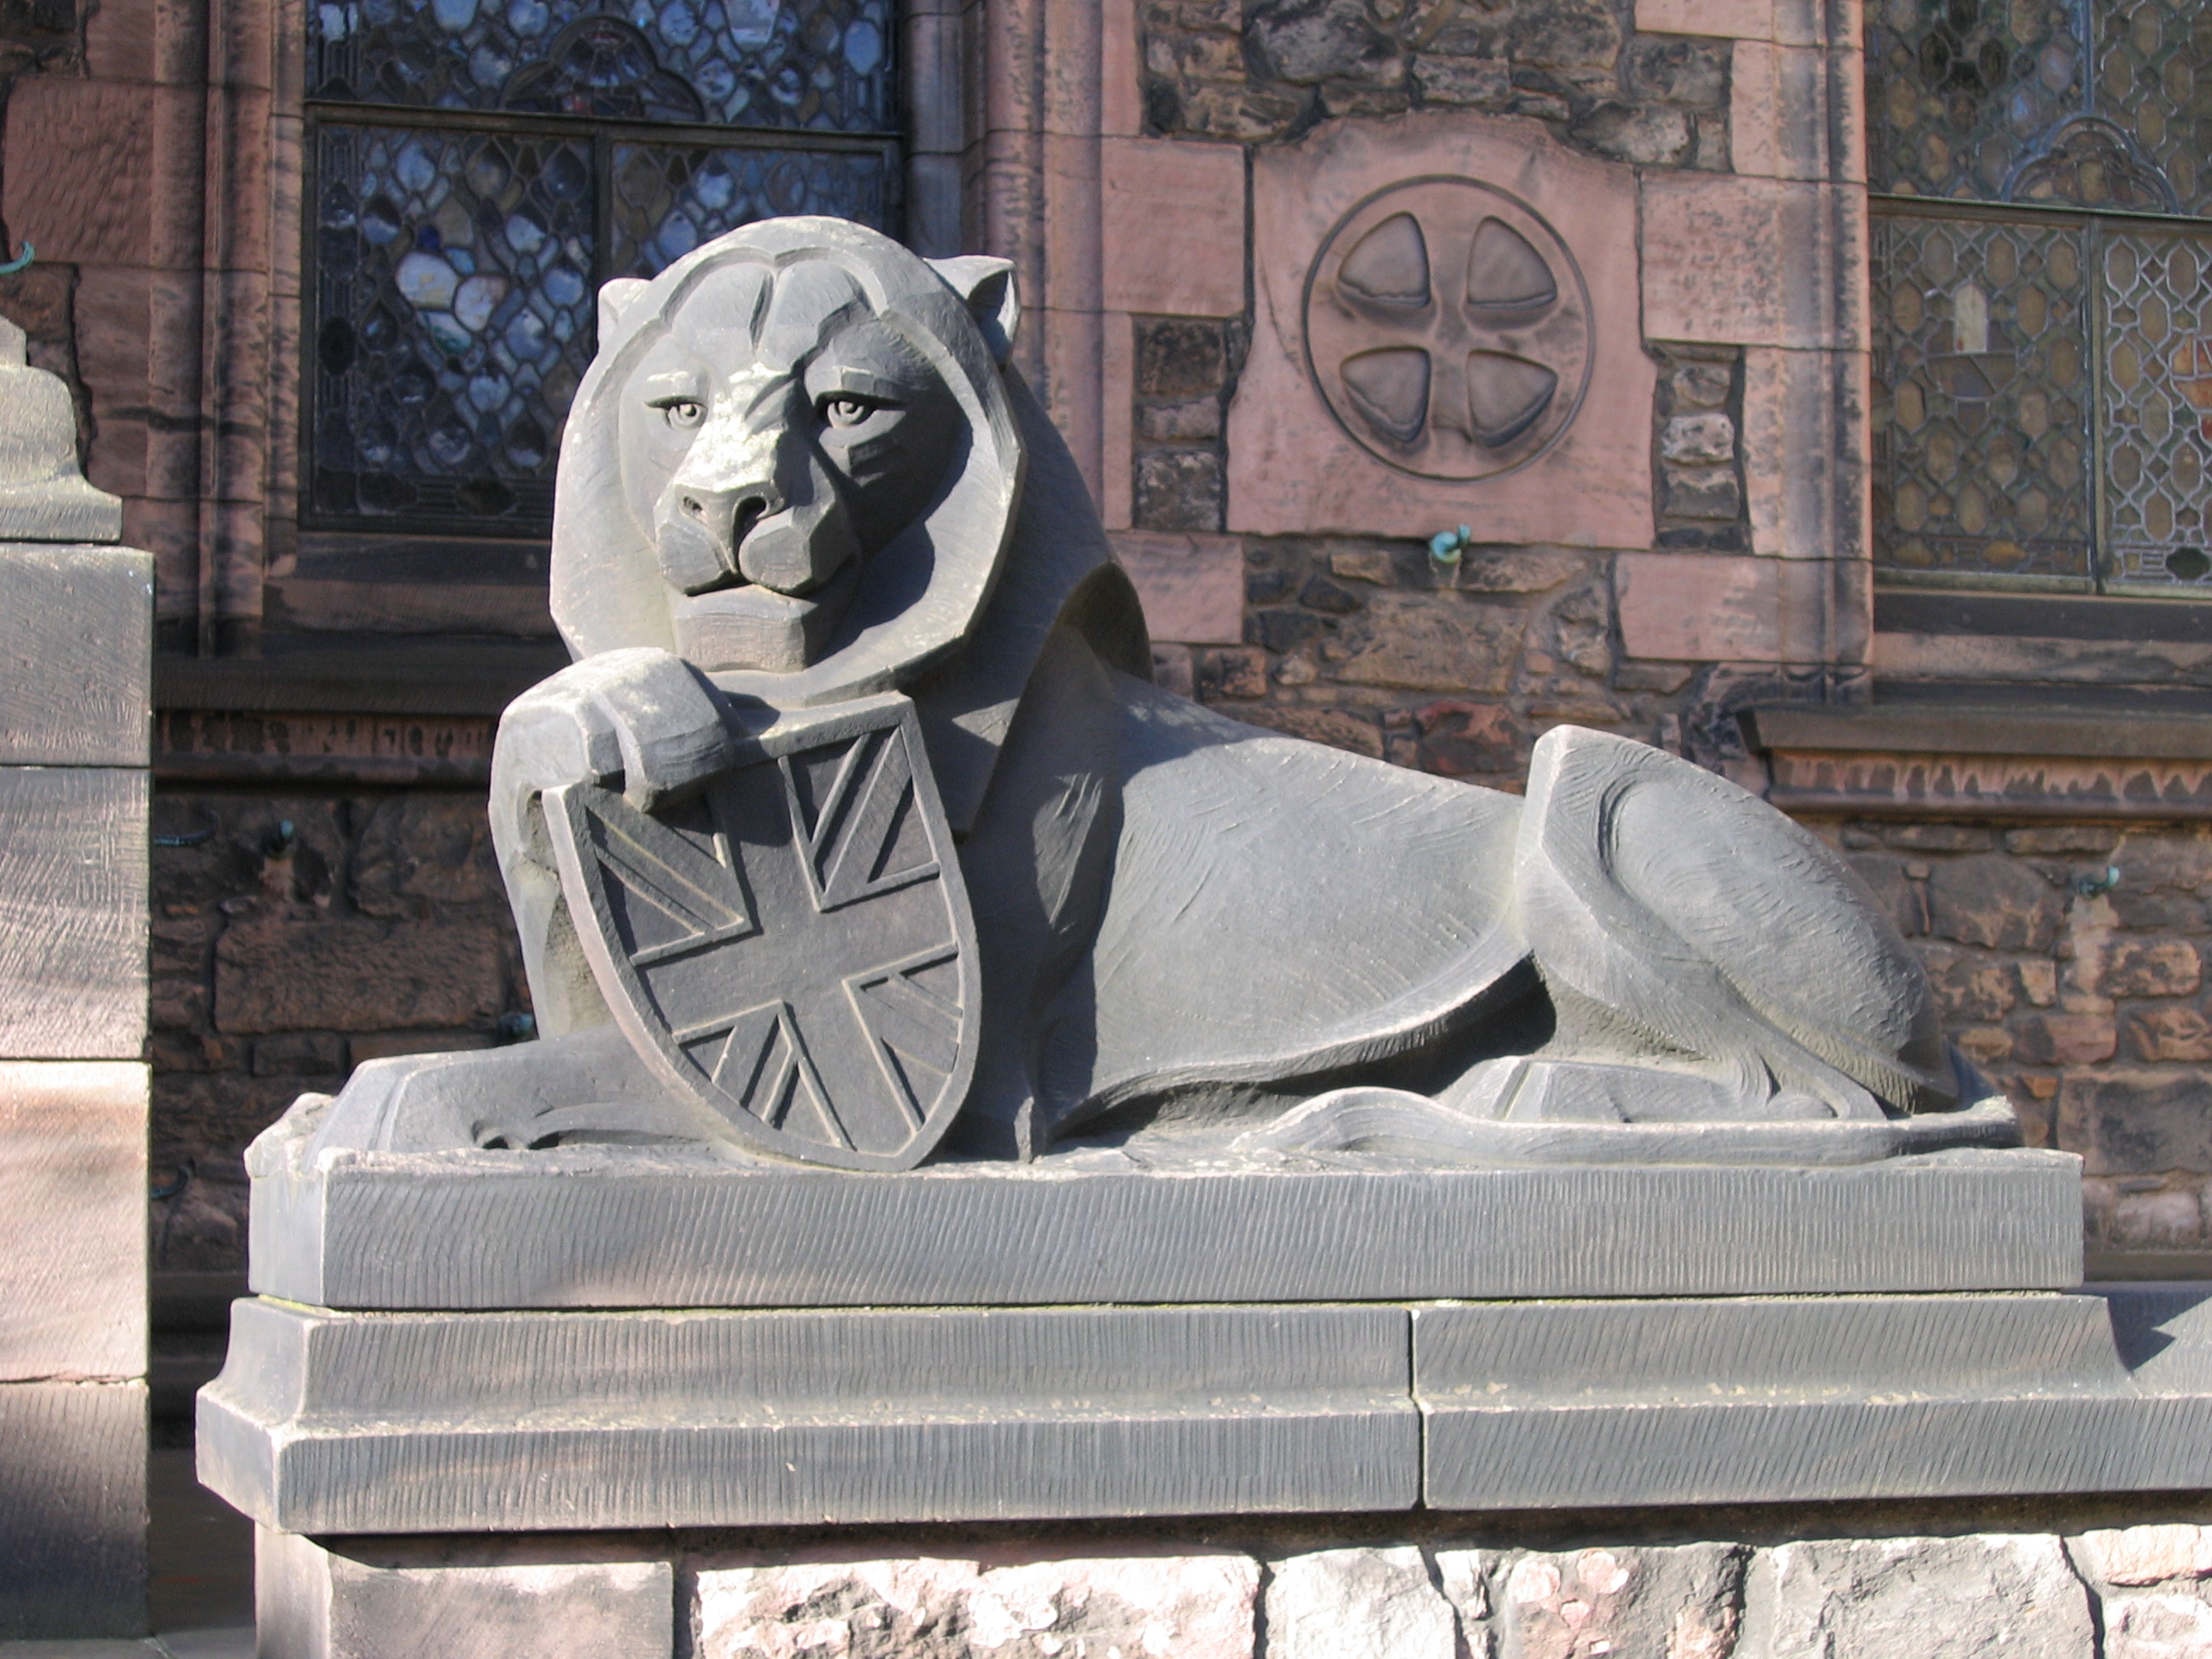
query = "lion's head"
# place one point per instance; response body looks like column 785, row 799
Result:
column 793, row 461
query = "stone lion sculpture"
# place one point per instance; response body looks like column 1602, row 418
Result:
column 858, row 832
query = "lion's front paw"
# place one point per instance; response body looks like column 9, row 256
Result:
column 643, row 715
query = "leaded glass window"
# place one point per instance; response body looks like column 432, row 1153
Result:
column 2042, row 262
column 480, row 166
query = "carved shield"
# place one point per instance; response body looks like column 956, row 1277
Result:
column 794, row 952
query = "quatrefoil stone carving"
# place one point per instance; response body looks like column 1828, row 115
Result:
column 1448, row 329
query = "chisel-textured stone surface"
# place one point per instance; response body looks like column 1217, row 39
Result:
column 414, row 1422
column 417, row 1422
column 614, row 1227
column 73, row 1167
column 413, row 1599
column 76, row 638
column 1549, row 1404
column 72, row 1508
column 72, row 912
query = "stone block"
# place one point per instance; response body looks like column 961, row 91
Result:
column 1750, row 20
column 2145, row 1221
column 72, row 913
column 421, row 853
column 1686, row 1602
column 1198, row 1606
column 1172, row 227
column 616, row 1227
column 1177, row 358
column 1606, row 1403
column 1801, row 454
column 1778, row 97
column 2148, row 1555
column 2132, row 1122
column 1698, row 607
column 1697, row 440
column 2172, row 1034
column 1117, row 385
column 1358, row 1604
column 1711, row 493
column 73, row 1186
column 72, row 1509
column 1738, row 261
column 396, row 1423
column 1970, row 988
column 1943, row 1598
column 76, row 640
column 1431, row 642
column 1581, row 474
column 2150, row 968
column 81, row 155
column 1460, row 739
column 408, row 1599
column 1177, row 489
column 2168, row 1627
column 118, row 40
column 1995, row 901
column 2065, row 1039
column 1337, row 727
column 319, row 972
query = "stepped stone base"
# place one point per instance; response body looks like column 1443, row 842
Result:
column 327, row 1422
column 473, row 1383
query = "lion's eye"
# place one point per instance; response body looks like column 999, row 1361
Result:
column 845, row 411
column 685, row 412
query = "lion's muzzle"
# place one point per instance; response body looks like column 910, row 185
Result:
column 753, row 530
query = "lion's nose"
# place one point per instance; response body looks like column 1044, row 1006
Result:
column 728, row 514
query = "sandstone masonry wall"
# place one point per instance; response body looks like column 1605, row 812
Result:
column 1545, row 1591
column 296, row 935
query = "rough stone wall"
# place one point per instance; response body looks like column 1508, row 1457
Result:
column 1501, row 1592
column 1214, row 69
column 377, row 925
column 2069, row 960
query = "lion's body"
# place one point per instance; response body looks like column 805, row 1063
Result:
column 800, row 474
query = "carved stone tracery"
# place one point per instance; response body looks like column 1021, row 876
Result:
column 1448, row 329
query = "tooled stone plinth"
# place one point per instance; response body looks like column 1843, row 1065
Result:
column 607, row 1337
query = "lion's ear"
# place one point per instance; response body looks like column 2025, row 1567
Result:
column 616, row 298
column 987, row 285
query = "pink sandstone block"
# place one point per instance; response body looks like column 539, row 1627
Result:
column 119, row 40
column 1121, row 86
column 1117, row 350
column 2149, row 1555
column 73, row 1169
column 1741, row 261
column 1193, row 587
column 1528, row 410
column 1699, row 607
column 1744, row 19
column 1174, row 215
column 79, row 154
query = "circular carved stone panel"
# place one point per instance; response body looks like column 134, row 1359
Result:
column 1448, row 329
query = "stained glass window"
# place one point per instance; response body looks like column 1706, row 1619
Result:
column 2042, row 250
column 480, row 166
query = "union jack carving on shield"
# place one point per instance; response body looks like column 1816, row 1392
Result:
column 794, row 952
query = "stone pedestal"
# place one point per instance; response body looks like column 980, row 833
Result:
column 76, row 634
column 505, row 1356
